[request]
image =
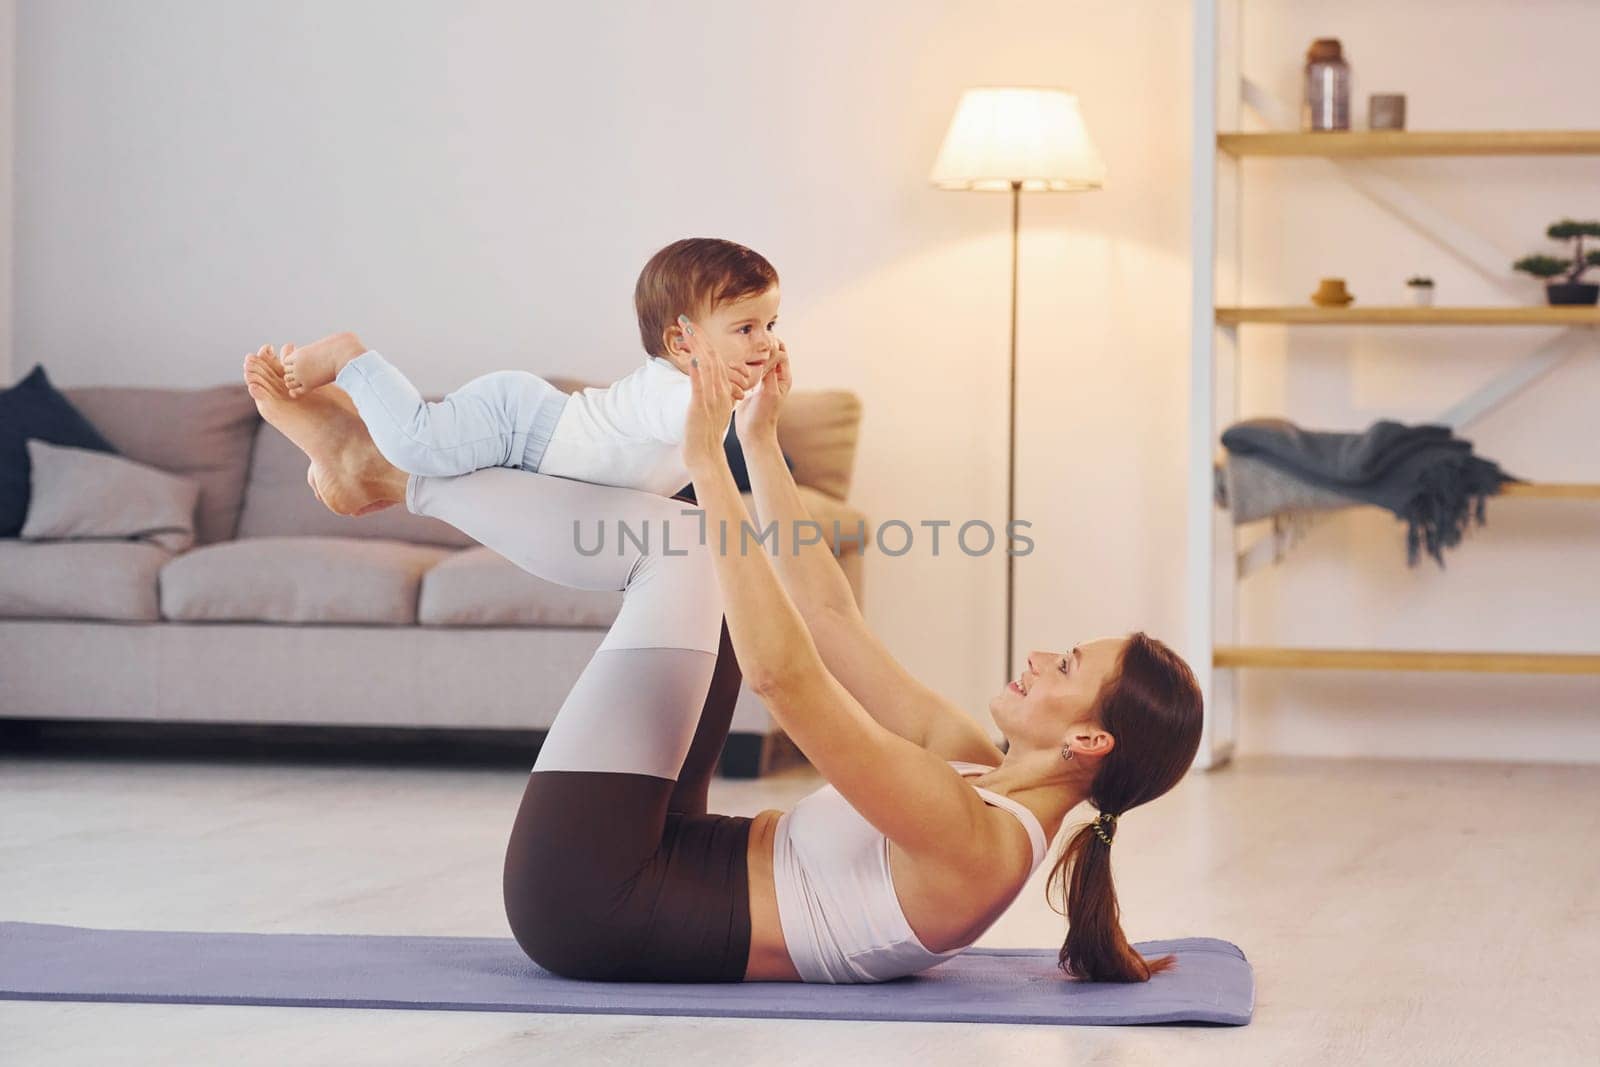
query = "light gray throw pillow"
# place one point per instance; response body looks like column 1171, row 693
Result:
column 79, row 494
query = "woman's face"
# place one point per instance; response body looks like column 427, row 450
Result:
column 1054, row 691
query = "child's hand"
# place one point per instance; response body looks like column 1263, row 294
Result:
column 710, row 405
column 760, row 416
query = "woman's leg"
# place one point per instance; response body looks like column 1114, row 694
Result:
column 502, row 419
column 690, row 794
column 608, row 875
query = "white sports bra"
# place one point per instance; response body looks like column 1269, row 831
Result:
column 836, row 902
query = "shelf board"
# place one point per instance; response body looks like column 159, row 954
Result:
column 1386, row 660
column 1551, row 490
column 1525, row 490
column 1311, row 315
column 1360, row 144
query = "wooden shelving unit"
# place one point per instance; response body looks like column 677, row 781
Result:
column 1213, row 563
column 1382, row 660
column 1376, row 144
column 1354, row 315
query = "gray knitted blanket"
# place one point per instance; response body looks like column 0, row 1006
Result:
column 1423, row 474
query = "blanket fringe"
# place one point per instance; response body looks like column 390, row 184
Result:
column 1450, row 494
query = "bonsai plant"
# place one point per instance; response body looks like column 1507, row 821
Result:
column 1421, row 290
column 1571, row 290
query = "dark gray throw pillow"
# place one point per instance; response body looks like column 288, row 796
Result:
column 33, row 408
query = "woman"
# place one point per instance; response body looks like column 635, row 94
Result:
column 926, row 832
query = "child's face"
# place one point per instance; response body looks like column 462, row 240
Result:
column 740, row 332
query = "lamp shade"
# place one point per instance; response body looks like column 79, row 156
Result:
column 1004, row 135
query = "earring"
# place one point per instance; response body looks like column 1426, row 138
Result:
column 1066, row 752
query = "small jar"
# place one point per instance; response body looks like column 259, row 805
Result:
column 1327, row 91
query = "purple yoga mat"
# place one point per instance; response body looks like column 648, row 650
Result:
column 1212, row 982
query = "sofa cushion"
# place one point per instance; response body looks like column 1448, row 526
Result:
column 298, row 579
column 820, row 429
column 80, row 494
column 33, row 408
column 80, row 580
column 279, row 503
column 204, row 434
column 479, row 587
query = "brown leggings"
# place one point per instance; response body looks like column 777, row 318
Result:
column 625, row 877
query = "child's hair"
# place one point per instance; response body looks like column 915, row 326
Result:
column 694, row 276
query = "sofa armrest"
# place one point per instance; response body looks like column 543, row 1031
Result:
column 845, row 530
column 819, row 430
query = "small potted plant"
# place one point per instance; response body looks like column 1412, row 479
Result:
column 1571, row 289
column 1421, row 290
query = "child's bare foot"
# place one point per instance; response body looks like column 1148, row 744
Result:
column 319, row 363
column 347, row 474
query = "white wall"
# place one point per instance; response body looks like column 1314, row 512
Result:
column 8, row 81
column 476, row 188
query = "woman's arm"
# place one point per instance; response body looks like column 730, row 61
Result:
column 812, row 576
column 772, row 642
column 810, row 571
column 909, row 794
column 855, row 655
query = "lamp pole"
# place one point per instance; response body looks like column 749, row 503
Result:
column 1011, row 430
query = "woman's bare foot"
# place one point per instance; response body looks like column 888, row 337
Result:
column 347, row 474
column 340, row 397
column 376, row 505
column 319, row 363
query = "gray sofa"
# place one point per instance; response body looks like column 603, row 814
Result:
column 284, row 614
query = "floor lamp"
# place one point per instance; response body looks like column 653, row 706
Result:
column 1016, row 139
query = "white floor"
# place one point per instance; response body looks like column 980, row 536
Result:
column 1394, row 913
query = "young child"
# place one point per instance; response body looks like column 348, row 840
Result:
column 629, row 434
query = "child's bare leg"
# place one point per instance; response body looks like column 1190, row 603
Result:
column 347, row 472
column 319, row 363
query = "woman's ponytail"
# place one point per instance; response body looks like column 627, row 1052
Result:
column 1096, row 948
column 1151, row 706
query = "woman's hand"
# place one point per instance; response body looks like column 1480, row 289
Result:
column 759, row 417
column 710, row 404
